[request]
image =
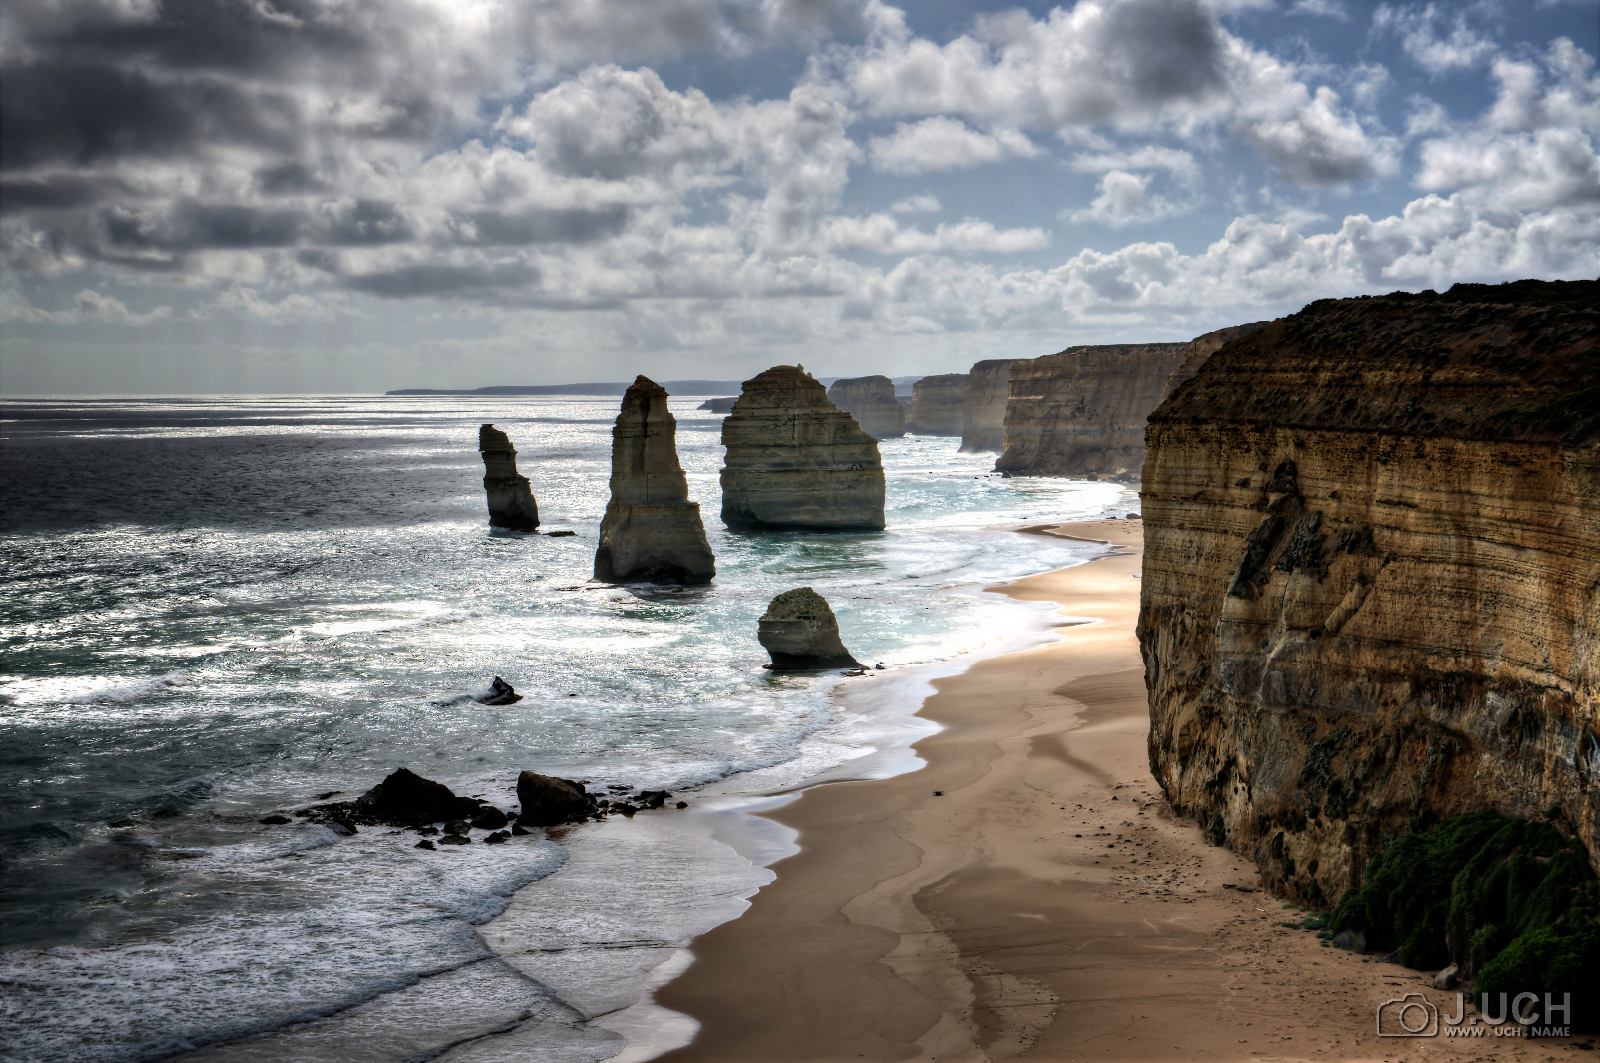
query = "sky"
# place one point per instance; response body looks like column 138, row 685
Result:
column 337, row 196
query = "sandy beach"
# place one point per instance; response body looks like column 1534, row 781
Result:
column 1028, row 895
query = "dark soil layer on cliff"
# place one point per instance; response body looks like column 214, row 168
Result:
column 1509, row 361
column 1372, row 578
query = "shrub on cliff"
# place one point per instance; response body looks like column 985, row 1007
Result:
column 1476, row 887
column 1549, row 962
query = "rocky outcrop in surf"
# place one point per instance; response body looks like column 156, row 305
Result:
column 1371, row 586
column 871, row 401
column 936, row 405
column 511, row 502
column 1082, row 411
column 651, row 532
column 800, row 633
column 983, row 405
column 797, row 462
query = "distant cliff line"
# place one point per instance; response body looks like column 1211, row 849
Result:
column 681, row 387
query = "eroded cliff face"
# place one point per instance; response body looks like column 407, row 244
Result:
column 936, row 403
column 796, row 461
column 651, row 531
column 871, row 401
column 1371, row 588
column 1082, row 411
column 983, row 405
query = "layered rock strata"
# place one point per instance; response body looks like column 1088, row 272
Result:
column 800, row 633
column 936, row 405
column 1371, row 587
column 983, row 405
column 795, row 461
column 1202, row 347
column 871, row 401
column 1082, row 411
column 651, row 531
column 511, row 502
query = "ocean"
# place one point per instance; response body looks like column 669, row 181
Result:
column 219, row 608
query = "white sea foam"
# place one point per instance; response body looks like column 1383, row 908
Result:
column 137, row 690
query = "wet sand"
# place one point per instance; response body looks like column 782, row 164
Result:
column 1028, row 895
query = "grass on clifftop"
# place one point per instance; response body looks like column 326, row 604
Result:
column 1512, row 900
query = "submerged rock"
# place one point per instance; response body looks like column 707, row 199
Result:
column 547, row 800
column 651, row 531
column 936, row 405
column 800, row 633
column 511, row 502
column 500, row 693
column 871, row 401
column 796, row 461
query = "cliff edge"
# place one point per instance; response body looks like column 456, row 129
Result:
column 1371, row 588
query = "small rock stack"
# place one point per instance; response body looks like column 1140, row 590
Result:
column 651, row 531
column 800, row 633
column 511, row 502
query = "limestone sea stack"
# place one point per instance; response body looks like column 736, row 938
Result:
column 795, row 461
column 983, row 406
column 1371, row 577
column 511, row 503
column 651, row 531
column 800, row 633
column 1082, row 412
column 936, row 404
column 871, row 401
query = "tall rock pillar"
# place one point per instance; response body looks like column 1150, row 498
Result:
column 651, row 531
column 511, row 502
column 796, row 461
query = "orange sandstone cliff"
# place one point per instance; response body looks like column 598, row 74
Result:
column 1371, row 588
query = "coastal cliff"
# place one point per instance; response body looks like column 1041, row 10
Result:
column 651, row 531
column 936, row 405
column 1082, row 411
column 983, row 405
column 871, row 401
column 510, row 495
column 1371, row 586
column 796, row 461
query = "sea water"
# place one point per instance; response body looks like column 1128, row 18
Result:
column 220, row 608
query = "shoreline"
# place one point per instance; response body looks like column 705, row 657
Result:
column 1027, row 893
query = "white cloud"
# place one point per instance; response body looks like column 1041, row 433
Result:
column 882, row 234
column 1334, row 9
column 1524, row 101
column 89, row 307
column 1122, row 201
column 921, row 203
column 1149, row 157
column 1436, row 50
column 944, row 144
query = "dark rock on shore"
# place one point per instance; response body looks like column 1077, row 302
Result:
column 273, row 821
column 455, row 839
column 547, row 800
column 405, row 798
column 497, row 838
column 424, row 844
column 500, row 693
column 490, row 818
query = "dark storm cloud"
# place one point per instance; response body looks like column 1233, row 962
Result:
column 414, row 281
column 195, row 226
column 57, row 192
column 548, row 226
column 1163, row 50
column 366, row 222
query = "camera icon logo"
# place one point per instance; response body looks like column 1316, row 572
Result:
column 1408, row 1016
